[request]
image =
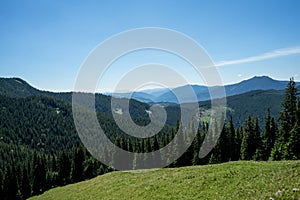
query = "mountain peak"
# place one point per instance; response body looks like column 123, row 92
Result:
column 261, row 78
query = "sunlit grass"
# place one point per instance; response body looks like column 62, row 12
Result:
column 233, row 180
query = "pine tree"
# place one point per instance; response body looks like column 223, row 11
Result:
column 157, row 158
column 216, row 154
column 179, row 145
column 155, row 143
column 116, row 154
column 238, row 142
column 268, row 136
column 224, row 145
column 64, row 168
column 88, row 169
column 257, row 145
column 77, row 170
column 54, row 164
column 148, row 145
column 10, row 186
column 232, row 145
column 293, row 145
column 250, row 140
column 130, row 146
column 1, row 184
column 196, row 148
column 288, row 116
column 39, row 173
column 26, row 187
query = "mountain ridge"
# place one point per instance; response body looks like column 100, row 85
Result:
column 203, row 92
column 254, row 103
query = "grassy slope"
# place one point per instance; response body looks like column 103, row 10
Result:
column 233, row 180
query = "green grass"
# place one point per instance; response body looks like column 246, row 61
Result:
column 233, row 180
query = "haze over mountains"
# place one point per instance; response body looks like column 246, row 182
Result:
column 250, row 97
column 203, row 92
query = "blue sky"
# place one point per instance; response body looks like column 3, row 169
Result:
column 45, row 42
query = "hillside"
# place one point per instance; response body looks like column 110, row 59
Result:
column 233, row 180
column 254, row 103
column 16, row 87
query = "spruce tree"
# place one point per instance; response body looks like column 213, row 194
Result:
column 288, row 119
column 1, row 184
column 288, row 116
column 26, row 187
column 10, row 186
column 238, row 142
column 268, row 136
column 293, row 145
column 232, row 142
column 39, row 179
column 215, row 155
column 64, row 168
column 257, row 144
column 250, row 139
column 196, row 148
column 224, row 145
column 77, row 170
column 179, row 144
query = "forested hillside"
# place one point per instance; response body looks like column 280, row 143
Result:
column 40, row 148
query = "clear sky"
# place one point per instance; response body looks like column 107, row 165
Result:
column 45, row 42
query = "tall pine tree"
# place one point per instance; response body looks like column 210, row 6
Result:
column 288, row 120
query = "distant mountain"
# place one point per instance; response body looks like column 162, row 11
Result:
column 147, row 96
column 203, row 92
column 256, row 83
column 254, row 103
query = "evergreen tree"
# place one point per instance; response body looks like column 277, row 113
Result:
column 288, row 116
column 258, row 145
column 1, row 184
column 215, row 156
column 54, row 164
column 225, row 145
column 148, row 145
column 268, row 136
column 64, row 168
column 232, row 142
column 77, row 170
column 26, row 187
column 250, row 140
column 293, row 145
column 130, row 146
column 11, row 187
column 196, row 148
column 179, row 144
column 155, row 143
column 238, row 141
column 89, row 170
column 39, row 173
column 156, row 159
